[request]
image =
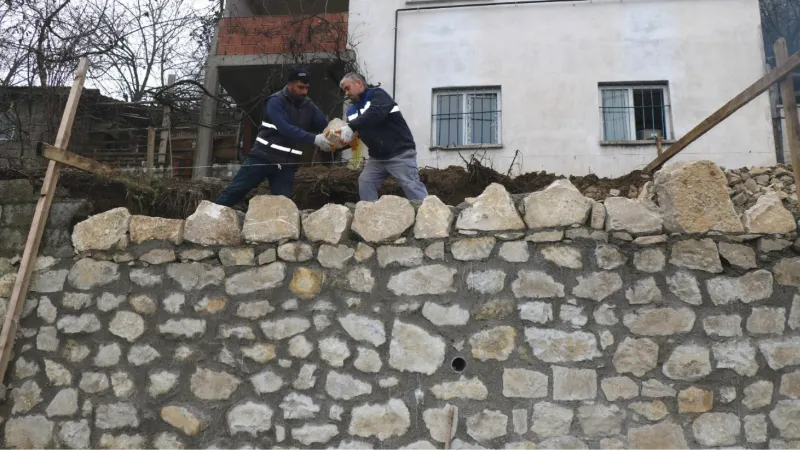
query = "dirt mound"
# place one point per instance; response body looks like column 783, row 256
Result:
column 314, row 187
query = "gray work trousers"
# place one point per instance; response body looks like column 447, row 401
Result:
column 402, row 167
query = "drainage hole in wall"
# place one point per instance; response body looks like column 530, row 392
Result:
column 459, row 364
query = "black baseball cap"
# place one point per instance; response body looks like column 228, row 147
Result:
column 299, row 74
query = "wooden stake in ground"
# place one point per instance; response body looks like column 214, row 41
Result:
column 729, row 108
column 789, row 110
column 165, row 126
column 151, row 149
column 40, row 215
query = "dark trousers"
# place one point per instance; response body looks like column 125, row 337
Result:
column 254, row 170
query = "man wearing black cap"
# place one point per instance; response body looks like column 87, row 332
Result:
column 290, row 122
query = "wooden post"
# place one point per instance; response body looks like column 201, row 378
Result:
column 789, row 111
column 658, row 145
column 20, row 291
column 151, row 149
column 727, row 109
column 165, row 126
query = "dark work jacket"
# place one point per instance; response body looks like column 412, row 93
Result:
column 380, row 124
column 288, row 126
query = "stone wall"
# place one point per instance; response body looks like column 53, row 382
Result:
column 554, row 322
column 17, row 204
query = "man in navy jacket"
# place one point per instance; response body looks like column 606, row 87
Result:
column 380, row 124
column 290, row 122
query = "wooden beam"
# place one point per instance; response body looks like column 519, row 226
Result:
column 789, row 110
column 165, row 126
column 729, row 108
column 28, row 261
column 151, row 148
column 67, row 158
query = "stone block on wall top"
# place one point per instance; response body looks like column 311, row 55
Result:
column 559, row 205
column 103, row 231
column 493, row 210
column 693, row 198
column 632, row 216
column 768, row 216
column 384, row 220
column 329, row 224
column 144, row 228
column 213, row 224
column 271, row 218
column 434, row 219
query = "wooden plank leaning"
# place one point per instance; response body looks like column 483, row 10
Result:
column 729, row 108
column 789, row 110
column 40, row 215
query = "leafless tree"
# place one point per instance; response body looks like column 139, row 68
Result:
column 780, row 18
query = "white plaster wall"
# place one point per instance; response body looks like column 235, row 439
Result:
column 549, row 58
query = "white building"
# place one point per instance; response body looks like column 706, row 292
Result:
column 575, row 86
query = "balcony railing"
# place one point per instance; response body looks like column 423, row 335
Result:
column 269, row 35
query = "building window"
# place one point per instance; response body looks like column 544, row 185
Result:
column 6, row 126
column 635, row 112
column 467, row 117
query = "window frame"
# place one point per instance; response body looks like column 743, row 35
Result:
column 5, row 117
column 630, row 86
column 465, row 131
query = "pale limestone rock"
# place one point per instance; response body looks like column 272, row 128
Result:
column 546, row 236
column 337, row 257
column 598, row 217
column 465, row 388
column 75, row 434
column 748, row 288
column 345, row 387
column 57, row 374
column 254, row 310
column 473, row 249
column 496, row 308
column 183, row 328
column 636, row 356
column 250, row 418
column 695, row 400
column 435, row 251
column 29, row 432
column 768, row 216
column 661, row 435
column 231, row 256
column 116, row 415
column 46, row 311
column 103, row 231
column 328, row 224
column 487, row 425
column 305, row 377
column 551, row 345
column 123, row 441
column 93, row 382
column 28, row 395
column 563, row 256
column 213, row 224
column 267, row 256
column 495, row 343
column 523, row 383
column 144, row 228
column 573, row 315
column 207, row 384
column 368, row 360
column 758, row 394
column 696, row 254
column 433, row 279
column 536, row 284
column 790, row 384
column 183, row 419
column 684, row 285
column 559, row 205
column 195, row 276
column 122, row 384
column 300, row 347
column 693, row 197
column 266, row 382
column 609, row 257
column 434, row 219
column 786, row 418
column 653, row 410
column 493, row 210
column 597, row 286
column 563, row 442
column 307, row 283
column 632, row 216
column 412, row 349
column 365, row 252
column 605, row 315
column 616, row 388
column 651, row 260
column 574, row 384
column 755, row 428
column 536, row 312
column 83, row 324
column 296, row 252
column 550, row 420
column 47, row 339
column 271, row 218
column 89, row 274
column 380, row 420
column 438, row 315
column 657, row 389
column 688, row 362
column 158, row 256
column 600, row 420
column 107, row 355
column 723, row 326
column 143, row 278
column 437, row 419
column 390, row 255
column 140, row 355
column 787, row 272
column 48, row 282
column 660, row 321
column 716, row 429
column 738, row 255
column 364, row 329
column 384, row 220
column 514, row 252
column 309, row 434
column 258, row 279
column 766, row 320
column 644, row 291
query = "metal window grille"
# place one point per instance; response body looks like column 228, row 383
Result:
column 635, row 113
column 466, row 117
column 6, row 127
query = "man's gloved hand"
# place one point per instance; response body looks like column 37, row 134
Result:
column 323, row 143
column 346, row 133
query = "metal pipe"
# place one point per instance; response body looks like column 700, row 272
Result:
column 467, row 5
